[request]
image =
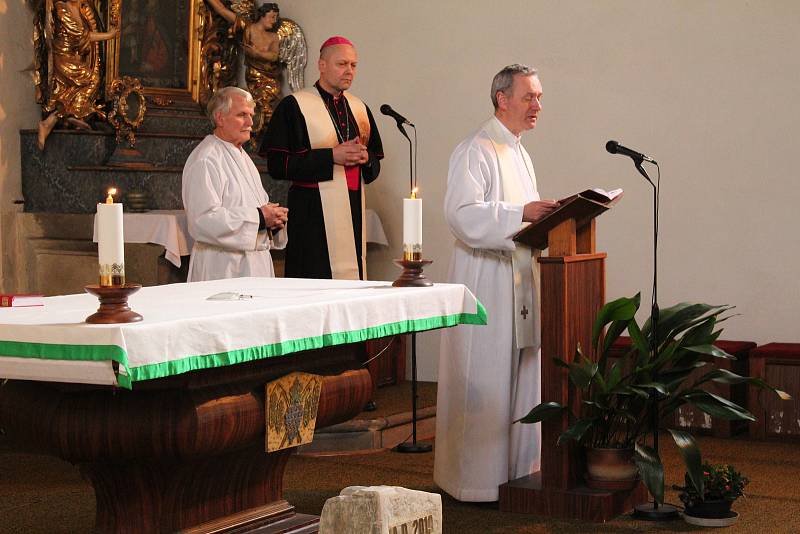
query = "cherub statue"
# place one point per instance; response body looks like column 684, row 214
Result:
column 268, row 43
column 67, row 40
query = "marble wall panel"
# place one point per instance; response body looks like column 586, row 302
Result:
column 71, row 175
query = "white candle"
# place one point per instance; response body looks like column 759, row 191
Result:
column 110, row 242
column 412, row 228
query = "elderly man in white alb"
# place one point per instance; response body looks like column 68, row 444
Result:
column 489, row 375
column 230, row 217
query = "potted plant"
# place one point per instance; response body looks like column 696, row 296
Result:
column 709, row 503
column 616, row 401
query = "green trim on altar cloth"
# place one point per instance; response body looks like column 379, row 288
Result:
column 61, row 351
column 126, row 375
column 222, row 359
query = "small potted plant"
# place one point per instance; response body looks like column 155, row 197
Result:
column 710, row 503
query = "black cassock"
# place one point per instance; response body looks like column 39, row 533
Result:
column 290, row 157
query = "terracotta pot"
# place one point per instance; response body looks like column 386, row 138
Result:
column 611, row 469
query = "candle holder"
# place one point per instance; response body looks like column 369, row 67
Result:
column 412, row 272
column 113, row 304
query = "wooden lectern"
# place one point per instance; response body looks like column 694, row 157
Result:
column 572, row 292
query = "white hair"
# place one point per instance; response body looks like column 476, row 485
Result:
column 222, row 101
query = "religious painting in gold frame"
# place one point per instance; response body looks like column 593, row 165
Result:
column 159, row 43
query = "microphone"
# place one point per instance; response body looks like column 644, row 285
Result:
column 615, row 148
column 386, row 109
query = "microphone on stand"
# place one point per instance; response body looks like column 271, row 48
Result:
column 615, row 148
column 386, row 109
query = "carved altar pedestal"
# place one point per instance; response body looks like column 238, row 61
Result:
column 185, row 452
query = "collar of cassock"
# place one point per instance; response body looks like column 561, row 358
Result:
column 326, row 95
column 508, row 136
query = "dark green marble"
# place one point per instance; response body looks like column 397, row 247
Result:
column 71, row 175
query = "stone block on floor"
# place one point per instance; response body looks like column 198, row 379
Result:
column 382, row 510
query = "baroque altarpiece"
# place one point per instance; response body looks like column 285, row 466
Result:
column 123, row 85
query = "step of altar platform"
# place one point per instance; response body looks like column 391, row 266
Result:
column 389, row 425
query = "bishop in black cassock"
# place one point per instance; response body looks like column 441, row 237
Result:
column 292, row 154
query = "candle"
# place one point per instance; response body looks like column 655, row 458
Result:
column 412, row 227
column 110, row 243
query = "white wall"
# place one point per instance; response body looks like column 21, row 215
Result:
column 17, row 107
column 707, row 87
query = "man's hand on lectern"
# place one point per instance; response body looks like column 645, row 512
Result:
column 537, row 210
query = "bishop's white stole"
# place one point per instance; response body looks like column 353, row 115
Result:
column 523, row 259
column 333, row 193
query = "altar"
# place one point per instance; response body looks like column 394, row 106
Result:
column 166, row 417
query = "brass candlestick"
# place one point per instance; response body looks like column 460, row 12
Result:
column 113, row 304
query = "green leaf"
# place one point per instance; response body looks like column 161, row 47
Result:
column 716, row 406
column 639, row 392
column 561, row 363
column 651, row 470
column 656, row 386
column 546, row 410
column 638, row 340
column 614, row 376
column 581, row 373
column 723, row 376
column 700, row 334
column 675, row 319
column 622, row 309
column 691, row 457
column 711, row 350
column 577, row 430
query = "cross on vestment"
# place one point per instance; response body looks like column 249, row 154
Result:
column 524, row 312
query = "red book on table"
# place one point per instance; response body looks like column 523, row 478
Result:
column 8, row 301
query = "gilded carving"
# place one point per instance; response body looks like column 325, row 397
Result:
column 267, row 44
column 128, row 110
column 67, row 37
column 291, row 411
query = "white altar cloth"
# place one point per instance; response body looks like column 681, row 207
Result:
column 183, row 331
column 169, row 229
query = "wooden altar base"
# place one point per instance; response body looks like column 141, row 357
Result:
column 525, row 495
column 183, row 453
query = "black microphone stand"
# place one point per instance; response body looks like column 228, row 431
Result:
column 653, row 511
column 414, row 446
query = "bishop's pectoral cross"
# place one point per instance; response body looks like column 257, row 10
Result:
column 524, row 312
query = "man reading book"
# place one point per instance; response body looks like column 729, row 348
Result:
column 489, row 375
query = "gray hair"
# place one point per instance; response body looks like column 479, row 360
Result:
column 222, row 101
column 504, row 79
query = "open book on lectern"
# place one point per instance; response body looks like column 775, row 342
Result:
column 583, row 207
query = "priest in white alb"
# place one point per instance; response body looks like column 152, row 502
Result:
column 230, row 217
column 489, row 375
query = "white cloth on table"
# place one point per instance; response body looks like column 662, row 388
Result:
column 162, row 227
column 182, row 330
column 485, row 381
column 374, row 228
column 222, row 193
